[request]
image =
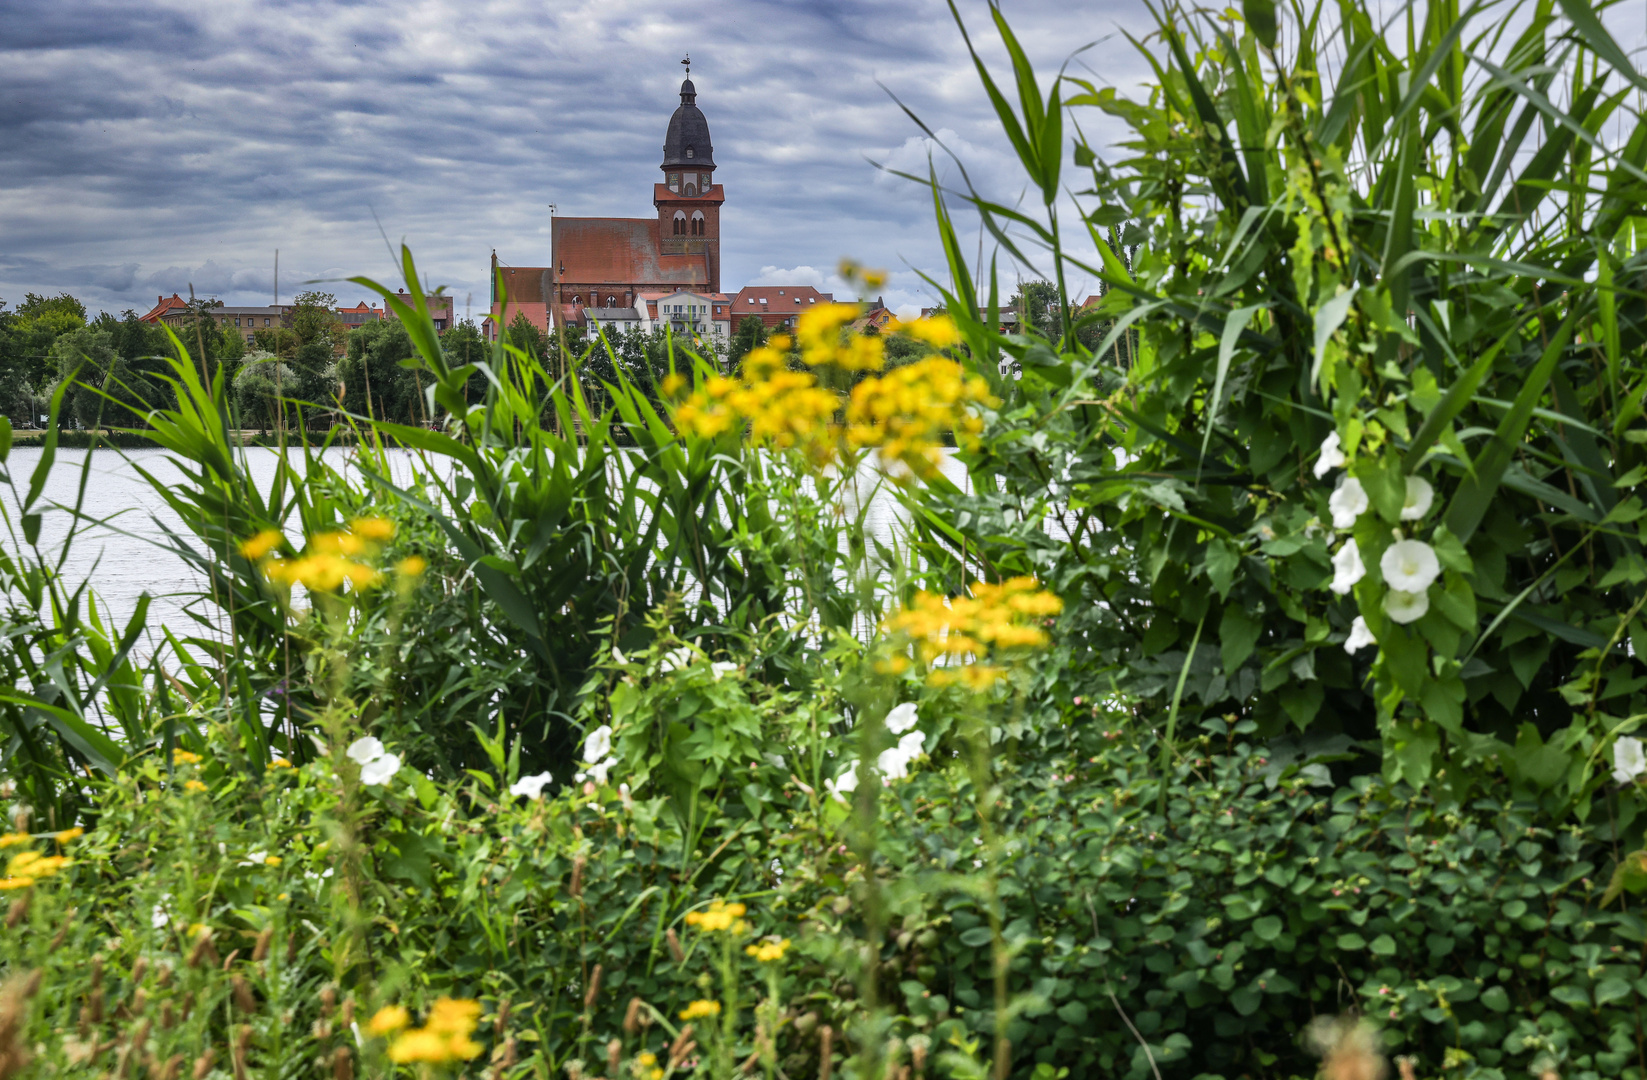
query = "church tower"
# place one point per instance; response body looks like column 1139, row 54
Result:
column 689, row 201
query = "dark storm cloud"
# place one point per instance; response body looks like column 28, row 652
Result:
column 146, row 147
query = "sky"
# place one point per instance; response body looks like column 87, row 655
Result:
column 148, row 147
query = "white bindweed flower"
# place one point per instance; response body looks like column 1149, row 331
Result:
column 598, row 771
column 364, row 751
column 1347, row 502
column 1347, row 568
column 254, row 858
column 844, row 784
column 1419, row 497
column 1332, row 456
column 675, row 659
column 894, row 763
column 1405, row 607
column 617, row 655
column 1360, row 637
column 530, row 786
column 1629, row 761
column 1409, row 566
column 901, row 718
column 598, row 744
column 723, row 667
column 158, row 917
column 380, row 770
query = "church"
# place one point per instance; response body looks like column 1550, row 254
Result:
column 616, row 272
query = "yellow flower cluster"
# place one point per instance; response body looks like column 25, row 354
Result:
column 443, row 1038
column 193, row 785
column 906, row 411
column 330, row 559
column 13, row 839
column 768, row 952
column 68, row 836
column 976, row 630
column 185, row 757
column 700, row 1009
column 28, row 867
column 720, row 916
column 819, row 333
column 280, row 763
column 648, row 1062
column 786, row 409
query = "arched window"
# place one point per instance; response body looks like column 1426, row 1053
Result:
column 611, row 301
column 697, row 223
column 691, row 189
column 576, row 300
column 680, row 223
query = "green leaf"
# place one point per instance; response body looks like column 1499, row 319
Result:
column 1328, row 318
column 1237, row 636
column 1222, row 560
column 1496, row 999
column 976, row 938
column 1233, row 325
column 1351, row 942
column 1383, row 945
column 1612, row 989
column 1260, row 16
column 1268, row 928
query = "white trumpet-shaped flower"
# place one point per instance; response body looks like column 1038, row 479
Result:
column 1629, row 760
column 1331, row 457
column 380, row 770
column 1347, row 502
column 1410, row 566
column 597, row 744
column 1360, row 637
column 1405, row 607
column 1347, row 568
column 901, row 718
column 1420, row 496
column 530, row 786
column 364, row 751
column 844, row 784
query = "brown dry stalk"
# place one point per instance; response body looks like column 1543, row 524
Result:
column 343, row 1066
column 577, row 876
column 594, row 989
column 681, row 1046
column 203, row 1063
column 261, row 951
column 676, row 953
column 18, row 909
column 14, row 1008
column 242, row 1044
column 826, row 1051
column 242, row 992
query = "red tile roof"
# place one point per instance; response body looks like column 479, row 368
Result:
column 163, row 305
column 620, row 251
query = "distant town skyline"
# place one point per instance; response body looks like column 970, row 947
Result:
column 151, row 147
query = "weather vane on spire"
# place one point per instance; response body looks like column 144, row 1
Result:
column 688, row 63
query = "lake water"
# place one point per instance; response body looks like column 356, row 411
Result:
column 127, row 556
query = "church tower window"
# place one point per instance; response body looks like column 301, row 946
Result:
column 680, row 223
column 697, row 223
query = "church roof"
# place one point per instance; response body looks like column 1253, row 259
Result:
column 621, row 251
column 688, row 131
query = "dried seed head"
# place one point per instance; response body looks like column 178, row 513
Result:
column 261, row 951
column 631, row 1017
column 203, row 1063
column 577, row 876
column 614, row 1056
column 140, row 969
column 677, row 1049
column 168, row 1016
column 328, row 1000
column 826, row 1051
column 97, row 972
column 343, row 1066
column 242, row 992
column 94, row 1005
column 348, row 1013
column 502, row 1020
column 676, row 953
column 594, row 989
column 173, row 1066
column 140, row 1001
column 509, row 1053
column 63, row 931
column 164, row 979
column 291, row 948
column 18, row 909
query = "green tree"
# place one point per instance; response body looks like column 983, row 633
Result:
column 1039, row 308
column 87, row 356
column 463, row 344
column 316, row 339
column 374, row 381
column 522, row 334
column 259, row 389
column 750, row 334
column 39, row 322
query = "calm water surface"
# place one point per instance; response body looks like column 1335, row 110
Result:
column 126, row 556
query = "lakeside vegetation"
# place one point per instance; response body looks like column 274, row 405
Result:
column 1265, row 704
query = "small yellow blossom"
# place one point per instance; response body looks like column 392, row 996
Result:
column 280, row 763
column 938, row 331
column 412, row 566
column 377, row 530
column 767, row 952
column 193, row 785
column 30, row 866
column 260, row 545
column 720, row 916
column 967, row 633
column 907, row 412
column 819, row 331
column 646, row 1059
column 420, row 1045
column 699, row 1009
column 453, row 1015
column 672, row 384
column 444, row 1037
column 13, row 839
column 185, row 757
column 7, row 884
column 271, row 860
column 68, row 836
column 388, row 1019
